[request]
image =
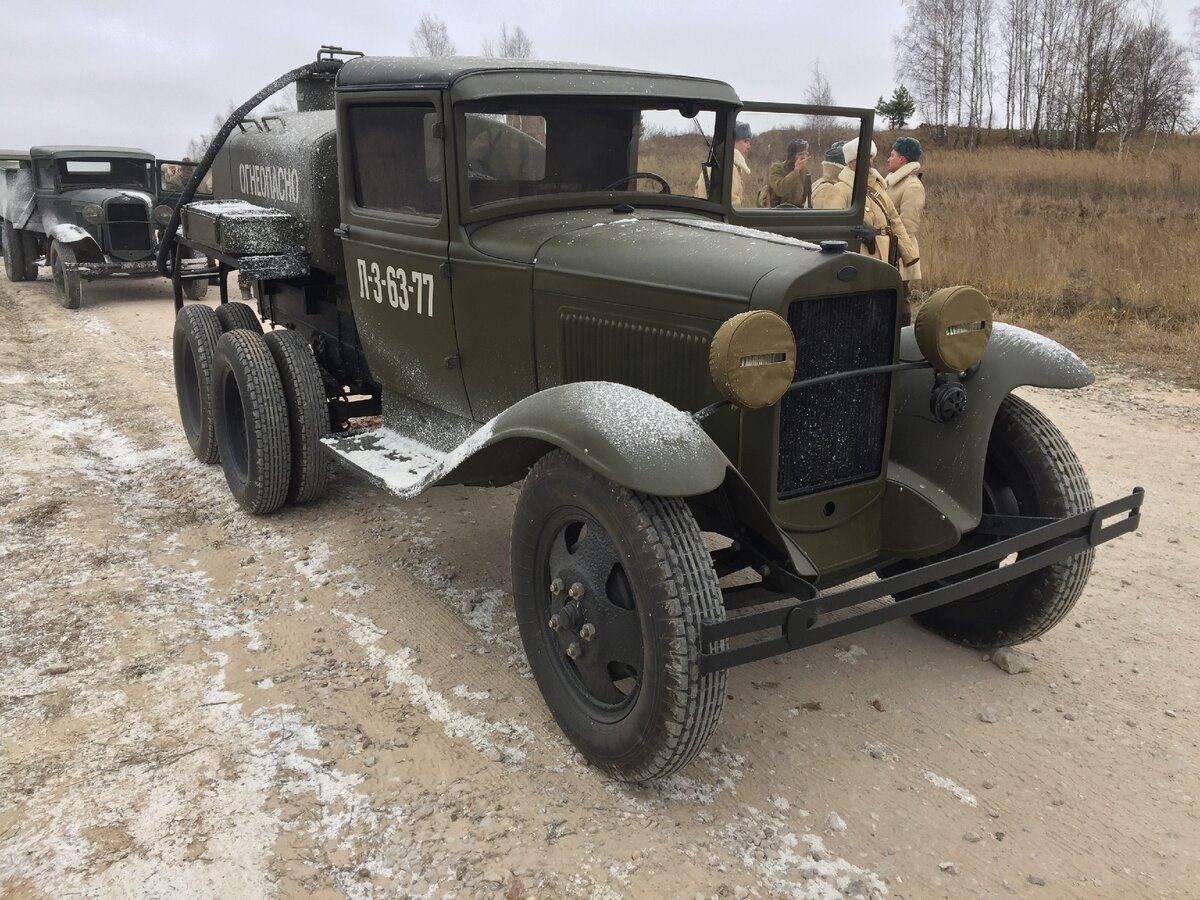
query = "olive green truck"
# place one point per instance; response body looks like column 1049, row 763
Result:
column 731, row 445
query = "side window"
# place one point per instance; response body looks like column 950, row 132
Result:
column 397, row 163
column 44, row 173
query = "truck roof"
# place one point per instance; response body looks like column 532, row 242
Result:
column 88, row 150
column 523, row 76
column 14, row 154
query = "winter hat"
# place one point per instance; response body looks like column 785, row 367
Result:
column 909, row 148
column 850, row 150
column 834, row 153
column 797, row 146
column 741, row 131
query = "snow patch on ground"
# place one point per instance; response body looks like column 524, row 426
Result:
column 961, row 793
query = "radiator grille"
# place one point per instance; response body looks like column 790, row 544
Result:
column 128, row 226
column 833, row 434
column 667, row 362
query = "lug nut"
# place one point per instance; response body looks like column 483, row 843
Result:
column 556, row 586
column 588, row 631
column 573, row 651
column 554, row 622
column 576, row 591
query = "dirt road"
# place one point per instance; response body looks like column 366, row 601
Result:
column 333, row 701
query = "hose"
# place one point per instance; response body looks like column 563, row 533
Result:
column 166, row 246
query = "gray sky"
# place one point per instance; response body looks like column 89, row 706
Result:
column 142, row 74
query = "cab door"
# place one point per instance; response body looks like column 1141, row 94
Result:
column 774, row 129
column 391, row 160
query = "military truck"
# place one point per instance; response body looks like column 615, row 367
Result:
column 729, row 445
column 89, row 212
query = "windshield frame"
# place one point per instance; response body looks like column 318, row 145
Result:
column 60, row 170
column 532, row 104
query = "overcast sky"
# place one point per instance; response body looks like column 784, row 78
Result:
column 152, row 75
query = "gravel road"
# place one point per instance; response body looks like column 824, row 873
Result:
column 333, row 701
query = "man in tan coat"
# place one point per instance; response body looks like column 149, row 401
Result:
column 741, row 171
column 831, row 167
column 880, row 213
column 906, row 191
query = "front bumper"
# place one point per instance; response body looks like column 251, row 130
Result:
column 785, row 625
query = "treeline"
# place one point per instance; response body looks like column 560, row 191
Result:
column 1050, row 73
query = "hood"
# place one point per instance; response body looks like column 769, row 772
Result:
column 101, row 195
column 587, row 252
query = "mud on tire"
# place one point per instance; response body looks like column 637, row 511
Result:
column 1031, row 470
column 308, row 413
column 633, row 700
column 251, row 418
column 194, row 343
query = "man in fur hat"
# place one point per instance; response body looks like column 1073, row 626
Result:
column 906, row 191
column 741, row 171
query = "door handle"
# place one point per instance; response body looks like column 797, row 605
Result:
column 341, row 231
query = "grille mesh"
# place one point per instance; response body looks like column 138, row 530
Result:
column 833, row 434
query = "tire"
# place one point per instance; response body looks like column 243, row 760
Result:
column 66, row 282
column 308, row 413
column 195, row 341
column 250, row 414
column 195, row 288
column 234, row 315
column 636, row 712
column 1031, row 470
column 19, row 264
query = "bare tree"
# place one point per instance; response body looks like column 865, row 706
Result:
column 818, row 93
column 1154, row 84
column 513, row 44
column 431, row 37
column 198, row 145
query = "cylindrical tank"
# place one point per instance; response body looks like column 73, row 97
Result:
column 288, row 161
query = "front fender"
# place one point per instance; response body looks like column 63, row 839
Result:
column 85, row 246
column 630, row 437
column 936, row 470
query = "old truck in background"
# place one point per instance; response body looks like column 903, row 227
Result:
column 88, row 212
column 517, row 265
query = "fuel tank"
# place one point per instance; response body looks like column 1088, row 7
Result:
column 288, row 161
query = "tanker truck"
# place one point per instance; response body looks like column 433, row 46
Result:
column 730, row 444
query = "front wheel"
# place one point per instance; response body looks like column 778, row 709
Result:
column 610, row 587
column 66, row 276
column 1030, row 470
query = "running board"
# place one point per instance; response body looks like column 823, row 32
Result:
column 398, row 464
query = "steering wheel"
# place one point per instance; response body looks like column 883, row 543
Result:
column 666, row 188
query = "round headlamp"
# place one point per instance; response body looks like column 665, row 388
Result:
column 162, row 214
column 93, row 214
column 753, row 358
column 952, row 328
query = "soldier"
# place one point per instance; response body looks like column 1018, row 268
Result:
column 741, row 171
column 882, row 222
column 906, row 191
column 788, row 181
column 831, row 167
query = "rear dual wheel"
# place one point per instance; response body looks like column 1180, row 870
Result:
column 20, row 253
column 611, row 586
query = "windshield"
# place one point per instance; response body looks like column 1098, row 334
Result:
column 518, row 149
column 100, row 172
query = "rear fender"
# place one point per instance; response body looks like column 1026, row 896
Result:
column 935, row 473
column 85, row 246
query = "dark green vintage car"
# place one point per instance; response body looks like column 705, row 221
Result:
column 88, row 211
column 535, row 271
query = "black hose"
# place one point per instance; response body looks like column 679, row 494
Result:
column 320, row 67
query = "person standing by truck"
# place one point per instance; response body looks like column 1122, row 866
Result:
column 789, row 181
column 907, row 192
column 741, row 170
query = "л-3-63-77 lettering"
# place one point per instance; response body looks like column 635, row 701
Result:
column 401, row 288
